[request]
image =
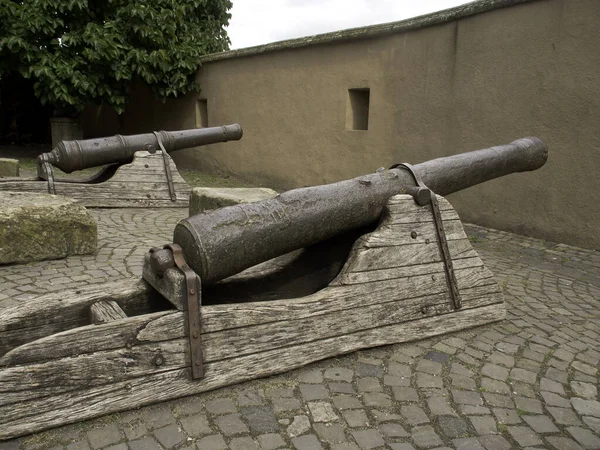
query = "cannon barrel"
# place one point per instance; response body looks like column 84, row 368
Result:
column 69, row 156
column 225, row 241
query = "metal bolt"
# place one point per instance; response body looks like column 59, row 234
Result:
column 195, row 335
column 424, row 309
column 146, row 166
column 413, row 234
column 158, row 360
column 192, row 291
column 427, row 241
column 197, row 363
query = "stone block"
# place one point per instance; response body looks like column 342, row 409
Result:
column 205, row 199
column 9, row 167
column 35, row 227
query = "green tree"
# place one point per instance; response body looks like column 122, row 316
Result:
column 89, row 51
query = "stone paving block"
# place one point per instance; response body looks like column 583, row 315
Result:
column 313, row 392
column 220, row 406
column 467, row 444
column 425, row 380
column 196, row 425
column 494, row 442
column 311, row 376
column 368, row 370
column 563, row 416
column 101, row 437
column 405, row 394
column 345, row 446
column 541, row 424
column 231, row 424
column 157, row 416
column 369, row 384
column 524, row 436
column 260, row 418
column 377, row 399
column 285, row 404
column 299, row 426
column 586, row 407
column 529, row 405
column 563, row 443
column 453, row 427
column 466, row 397
column 585, row 437
column 322, row 412
column 413, row 414
column 243, row 443
column 393, row 430
column 169, row 436
column 356, row 418
column 332, row 433
column 346, row 402
column 147, row 443
column 401, row 446
column 439, row 406
column 425, row 436
column 252, row 397
column 270, row 441
column 368, row 439
column 506, row 416
column 339, row 374
column 584, row 390
column 79, row 445
column 307, row 442
column 484, row 425
column 342, row 388
column 213, row 442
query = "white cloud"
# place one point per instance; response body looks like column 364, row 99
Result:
column 256, row 22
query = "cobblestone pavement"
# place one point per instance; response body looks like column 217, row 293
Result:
column 530, row 381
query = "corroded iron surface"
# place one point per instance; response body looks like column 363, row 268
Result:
column 226, row 241
column 69, row 156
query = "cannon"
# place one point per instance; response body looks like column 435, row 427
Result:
column 137, row 169
column 253, row 290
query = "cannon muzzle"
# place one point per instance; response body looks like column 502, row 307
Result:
column 69, row 156
column 225, row 241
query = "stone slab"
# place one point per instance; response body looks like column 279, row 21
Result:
column 205, row 199
column 9, row 167
column 36, row 227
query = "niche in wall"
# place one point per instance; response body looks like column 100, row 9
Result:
column 357, row 109
column 201, row 113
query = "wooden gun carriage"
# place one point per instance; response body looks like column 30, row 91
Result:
column 253, row 290
column 137, row 172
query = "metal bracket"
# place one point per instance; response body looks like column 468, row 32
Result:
column 193, row 311
column 424, row 195
column 45, row 172
column 167, row 168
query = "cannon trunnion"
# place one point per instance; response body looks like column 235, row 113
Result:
column 407, row 273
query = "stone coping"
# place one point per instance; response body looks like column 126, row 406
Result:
column 436, row 18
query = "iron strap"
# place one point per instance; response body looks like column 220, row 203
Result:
column 439, row 225
column 193, row 309
column 45, row 172
column 167, row 168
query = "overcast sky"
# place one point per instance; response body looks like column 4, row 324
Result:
column 256, row 22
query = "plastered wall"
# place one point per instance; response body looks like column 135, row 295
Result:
column 531, row 69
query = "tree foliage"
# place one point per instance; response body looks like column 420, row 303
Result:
column 83, row 51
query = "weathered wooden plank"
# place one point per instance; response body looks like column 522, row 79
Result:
column 402, row 234
column 38, row 414
column 406, row 255
column 106, row 311
column 434, row 269
column 58, row 311
column 142, row 183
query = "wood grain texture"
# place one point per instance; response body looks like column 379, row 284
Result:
column 139, row 184
column 38, row 414
column 385, row 293
column 58, row 311
column 106, row 311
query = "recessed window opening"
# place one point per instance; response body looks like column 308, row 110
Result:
column 357, row 109
column 201, row 113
